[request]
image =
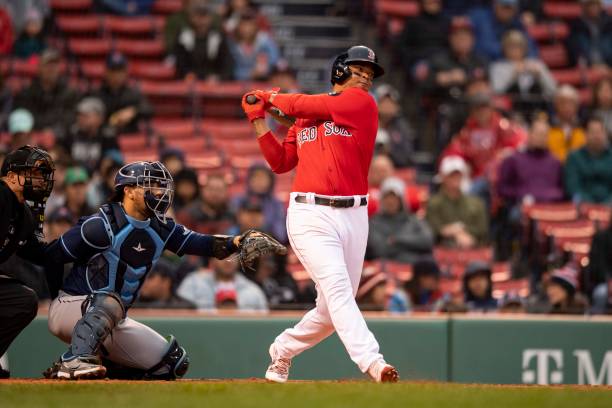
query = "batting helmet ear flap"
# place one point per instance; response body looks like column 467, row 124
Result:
column 340, row 71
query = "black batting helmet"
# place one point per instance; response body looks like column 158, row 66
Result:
column 357, row 54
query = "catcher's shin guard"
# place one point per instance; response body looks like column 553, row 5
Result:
column 174, row 364
column 101, row 313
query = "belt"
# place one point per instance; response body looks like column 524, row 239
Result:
column 332, row 202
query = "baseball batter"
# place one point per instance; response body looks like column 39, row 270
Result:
column 331, row 146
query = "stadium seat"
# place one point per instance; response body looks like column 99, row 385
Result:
column 571, row 76
column 598, row 213
column 140, row 155
column 397, row 8
column 567, row 229
column 551, row 212
column 400, row 271
column 71, row 6
column 166, row 6
column 132, row 142
column 208, row 160
column 238, row 148
column 549, row 31
column 153, row 48
column 518, row 286
column 79, row 25
column 152, row 71
column 90, row 47
column 190, row 144
column 169, row 98
column 93, row 69
column 554, row 56
column 180, row 128
column 119, row 26
column 562, row 10
column 454, row 260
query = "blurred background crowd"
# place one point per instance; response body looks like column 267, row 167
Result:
column 490, row 188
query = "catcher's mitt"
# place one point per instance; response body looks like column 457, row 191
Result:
column 254, row 244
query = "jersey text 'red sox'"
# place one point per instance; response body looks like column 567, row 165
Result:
column 331, row 143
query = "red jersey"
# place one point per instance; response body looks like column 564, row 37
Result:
column 479, row 146
column 331, row 142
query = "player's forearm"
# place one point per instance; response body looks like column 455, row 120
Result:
column 209, row 246
column 302, row 106
column 274, row 153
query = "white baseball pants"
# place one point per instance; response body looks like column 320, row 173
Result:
column 330, row 243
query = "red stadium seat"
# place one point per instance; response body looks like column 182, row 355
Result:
column 132, row 142
column 238, row 148
column 90, row 47
column 167, row 6
column 554, row 56
column 209, row 160
column 598, row 213
column 79, row 25
column 518, row 286
column 44, row 139
column 451, row 257
column 180, row 128
column 394, row 8
column 71, row 5
column 562, row 10
column 169, row 99
column 549, row 31
column 571, row 76
column 93, row 69
column 242, row 161
column 228, row 129
column 152, row 71
column 191, row 144
column 153, row 48
column 129, row 26
column 568, row 229
column 141, row 155
column 551, row 212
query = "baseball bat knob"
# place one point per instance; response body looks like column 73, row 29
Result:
column 251, row 99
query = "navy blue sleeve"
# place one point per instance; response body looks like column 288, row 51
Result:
column 183, row 241
column 84, row 240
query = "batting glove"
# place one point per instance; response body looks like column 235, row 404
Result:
column 256, row 110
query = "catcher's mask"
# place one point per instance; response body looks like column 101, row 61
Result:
column 35, row 169
column 156, row 181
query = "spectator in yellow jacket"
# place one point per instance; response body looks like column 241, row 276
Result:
column 565, row 134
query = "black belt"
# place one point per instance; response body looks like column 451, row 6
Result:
column 332, row 202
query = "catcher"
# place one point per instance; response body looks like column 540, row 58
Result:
column 112, row 251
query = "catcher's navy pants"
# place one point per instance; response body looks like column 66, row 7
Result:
column 18, row 307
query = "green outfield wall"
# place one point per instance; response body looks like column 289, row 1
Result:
column 490, row 350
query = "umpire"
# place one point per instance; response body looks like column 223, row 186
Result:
column 26, row 180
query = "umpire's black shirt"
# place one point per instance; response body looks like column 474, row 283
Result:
column 17, row 230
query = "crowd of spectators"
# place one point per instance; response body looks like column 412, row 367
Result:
column 491, row 158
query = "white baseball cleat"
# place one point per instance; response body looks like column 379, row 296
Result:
column 278, row 370
column 380, row 371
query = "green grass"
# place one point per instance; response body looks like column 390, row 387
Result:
column 230, row 394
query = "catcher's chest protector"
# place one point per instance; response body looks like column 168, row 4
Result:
column 135, row 247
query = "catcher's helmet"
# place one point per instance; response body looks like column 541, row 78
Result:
column 32, row 163
column 357, row 54
column 155, row 179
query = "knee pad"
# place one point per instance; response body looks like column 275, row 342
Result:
column 174, row 364
column 101, row 313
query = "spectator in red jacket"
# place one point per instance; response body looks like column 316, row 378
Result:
column 6, row 32
column 485, row 138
